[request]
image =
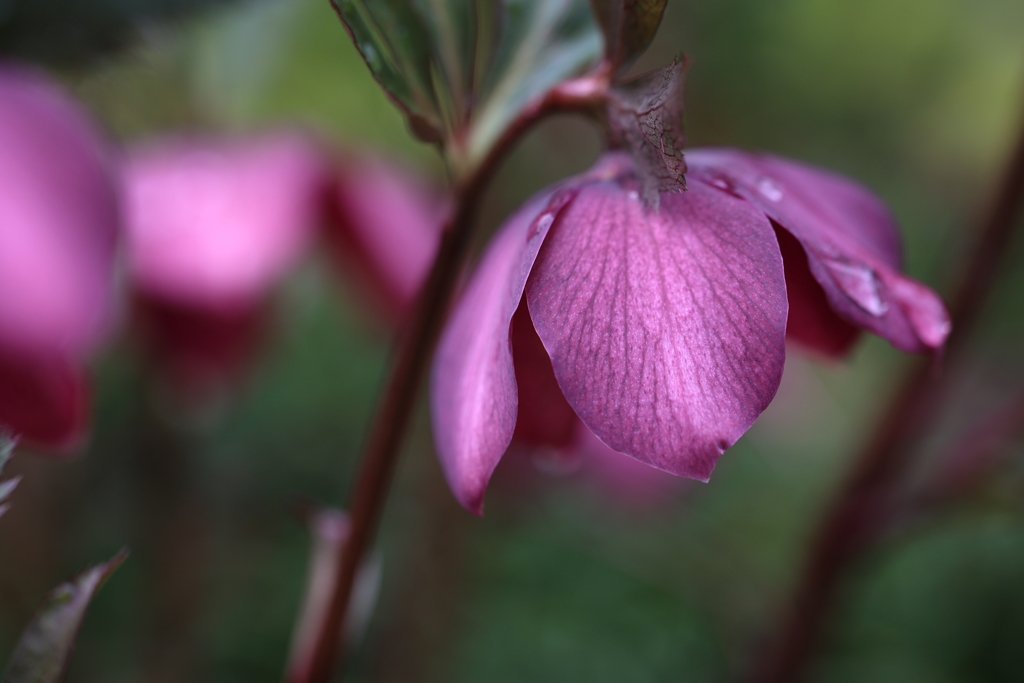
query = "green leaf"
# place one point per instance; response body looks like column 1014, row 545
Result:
column 542, row 42
column 45, row 647
column 463, row 70
column 645, row 117
column 392, row 37
column 629, row 27
column 7, row 444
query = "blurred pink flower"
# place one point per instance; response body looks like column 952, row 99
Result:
column 58, row 229
column 384, row 231
column 664, row 330
column 212, row 226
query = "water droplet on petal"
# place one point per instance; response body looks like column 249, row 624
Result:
column 541, row 224
column 722, row 183
column 860, row 283
column 633, row 194
column 770, row 189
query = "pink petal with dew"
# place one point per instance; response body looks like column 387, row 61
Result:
column 215, row 223
column 812, row 322
column 474, row 396
column 386, row 228
column 666, row 329
column 850, row 239
column 58, row 220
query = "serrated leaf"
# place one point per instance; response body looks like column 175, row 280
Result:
column 463, row 70
column 43, row 652
column 629, row 27
column 645, row 117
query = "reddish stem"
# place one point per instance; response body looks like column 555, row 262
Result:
column 857, row 513
column 415, row 348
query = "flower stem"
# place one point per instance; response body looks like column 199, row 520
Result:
column 857, row 514
column 392, row 419
column 415, row 348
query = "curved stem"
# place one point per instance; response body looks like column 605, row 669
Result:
column 389, row 426
column 415, row 348
column 859, row 509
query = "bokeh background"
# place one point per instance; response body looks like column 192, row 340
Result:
column 570, row 575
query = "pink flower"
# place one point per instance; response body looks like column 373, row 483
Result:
column 212, row 226
column 58, row 226
column 664, row 331
column 384, row 231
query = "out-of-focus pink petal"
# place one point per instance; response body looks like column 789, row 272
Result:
column 199, row 348
column 386, row 229
column 43, row 398
column 474, row 394
column 850, row 239
column 545, row 418
column 58, row 220
column 666, row 329
column 216, row 223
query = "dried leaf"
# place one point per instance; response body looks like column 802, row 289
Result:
column 645, row 117
column 629, row 27
column 45, row 647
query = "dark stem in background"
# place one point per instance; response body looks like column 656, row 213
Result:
column 412, row 357
column 858, row 512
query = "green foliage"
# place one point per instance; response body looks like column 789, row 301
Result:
column 69, row 32
column 463, row 71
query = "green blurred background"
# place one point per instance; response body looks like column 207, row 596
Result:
column 564, row 579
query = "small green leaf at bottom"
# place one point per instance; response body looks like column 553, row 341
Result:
column 45, row 647
column 7, row 444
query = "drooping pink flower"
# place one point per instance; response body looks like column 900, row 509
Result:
column 663, row 330
column 58, row 228
column 212, row 226
column 384, row 230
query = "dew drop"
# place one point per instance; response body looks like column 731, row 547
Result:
column 634, row 195
column 722, row 183
column 770, row 189
column 541, row 224
column 861, row 284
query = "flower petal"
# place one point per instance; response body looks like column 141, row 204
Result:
column 812, row 321
column 474, row 396
column 850, row 239
column 545, row 418
column 215, row 223
column 386, row 229
column 43, row 399
column 58, row 220
column 666, row 330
